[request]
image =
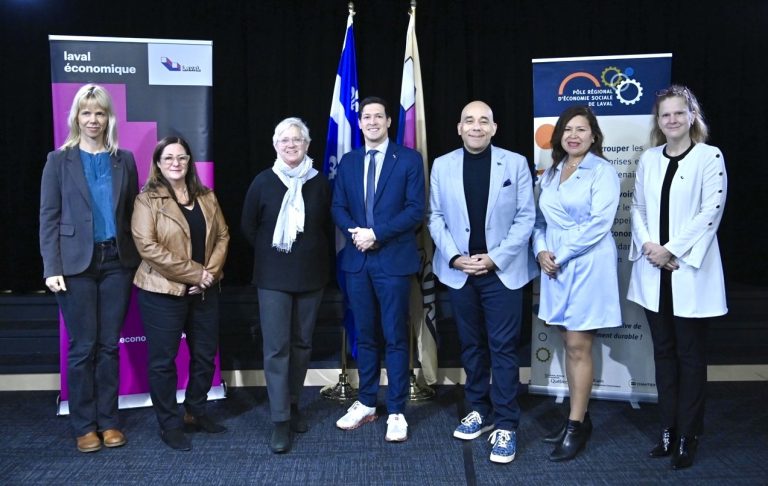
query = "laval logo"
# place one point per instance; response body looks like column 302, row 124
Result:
column 616, row 85
column 170, row 65
column 176, row 66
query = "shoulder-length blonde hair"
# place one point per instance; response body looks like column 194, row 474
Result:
column 100, row 96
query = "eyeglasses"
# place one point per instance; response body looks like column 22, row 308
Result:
column 181, row 159
column 288, row 141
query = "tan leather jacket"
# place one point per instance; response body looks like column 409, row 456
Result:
column 162, row 238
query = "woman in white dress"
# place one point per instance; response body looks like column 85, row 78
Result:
column 574, row 246
column 677, row 275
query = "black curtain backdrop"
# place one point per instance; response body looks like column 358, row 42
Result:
column 278, row 58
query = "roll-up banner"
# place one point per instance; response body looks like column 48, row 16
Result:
column 159, row 87
column 620, row 90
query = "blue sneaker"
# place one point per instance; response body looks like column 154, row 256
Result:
column 471, row 427
column 504, row 446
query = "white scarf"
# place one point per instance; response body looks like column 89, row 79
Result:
column 290, row 220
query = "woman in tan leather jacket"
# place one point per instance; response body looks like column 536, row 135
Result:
column 182, row 238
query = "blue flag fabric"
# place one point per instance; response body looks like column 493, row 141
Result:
column 343, row 136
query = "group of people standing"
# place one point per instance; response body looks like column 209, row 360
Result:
column 488, row 233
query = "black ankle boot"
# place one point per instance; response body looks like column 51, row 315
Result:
column 298, row 424
column 557, row 436
column 281, row 437
column 175, row 439
column 575, row 439
column 666, row 443
column 683, row 454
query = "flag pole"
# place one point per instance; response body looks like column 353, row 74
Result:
column 342, row 390
column 416, row 392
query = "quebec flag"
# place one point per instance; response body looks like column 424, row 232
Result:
column 343, row 136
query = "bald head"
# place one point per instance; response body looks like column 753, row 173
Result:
column 476, row 126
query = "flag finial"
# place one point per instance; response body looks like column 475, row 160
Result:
column 351, row 7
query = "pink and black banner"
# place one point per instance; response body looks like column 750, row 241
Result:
column 159, row 88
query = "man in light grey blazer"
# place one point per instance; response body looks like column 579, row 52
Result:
column 481, row 216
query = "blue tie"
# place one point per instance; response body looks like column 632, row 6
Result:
column 370, row 188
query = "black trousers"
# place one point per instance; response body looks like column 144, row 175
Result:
column 165, row 317
column 679, row 351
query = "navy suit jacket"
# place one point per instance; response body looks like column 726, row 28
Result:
column 66, row 219
column 399, row 208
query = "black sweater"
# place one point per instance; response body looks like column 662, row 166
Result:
column 307, row 266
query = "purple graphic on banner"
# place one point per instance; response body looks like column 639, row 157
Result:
column 140, row 137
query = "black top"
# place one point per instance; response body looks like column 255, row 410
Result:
column 307, row 266
column 196, row 222
column 666, row 305
column 477, row 184
column 665, row 186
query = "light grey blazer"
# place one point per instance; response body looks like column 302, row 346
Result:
column 509, row 218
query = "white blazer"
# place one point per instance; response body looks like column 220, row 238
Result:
column 696, row 202
column 508, row 221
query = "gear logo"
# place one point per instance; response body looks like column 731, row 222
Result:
column 637, row 89
column 615, row 79
column 543, row 354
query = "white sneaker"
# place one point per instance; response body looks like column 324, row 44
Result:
column 397, row 428
column 357, row 415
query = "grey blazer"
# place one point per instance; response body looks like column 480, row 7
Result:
column 66, row 219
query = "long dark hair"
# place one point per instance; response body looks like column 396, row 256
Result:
column 558, row 152
column 195, row 188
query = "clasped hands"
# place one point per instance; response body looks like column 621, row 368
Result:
column 660, row 257
column 206, row 280
column 478, row 264
column 547, row 262
column 363, row 238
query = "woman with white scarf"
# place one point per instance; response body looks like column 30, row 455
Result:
column 286, row 218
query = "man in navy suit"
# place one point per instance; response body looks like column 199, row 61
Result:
column 378, row 203
column 481, row 218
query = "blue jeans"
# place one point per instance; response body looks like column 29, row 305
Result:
column 488, row 319
column 94, row 308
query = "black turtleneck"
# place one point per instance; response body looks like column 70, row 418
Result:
column 477, row 183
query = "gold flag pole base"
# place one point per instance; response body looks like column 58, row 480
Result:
column 418, row 392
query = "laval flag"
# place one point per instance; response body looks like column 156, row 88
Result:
column 343, row 136
column 412, row 133
column 159, row 87
column 620, row 90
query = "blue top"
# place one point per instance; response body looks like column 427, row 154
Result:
column 98, row 174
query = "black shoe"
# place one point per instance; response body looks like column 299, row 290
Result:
column 298, row 424
column 557, row 436
column 576, row 436
column 202, row 422
column 281, row 437
column 665, row 445
column 682, row 456
column 175, row 439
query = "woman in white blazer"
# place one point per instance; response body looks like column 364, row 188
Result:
column 677, row 275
